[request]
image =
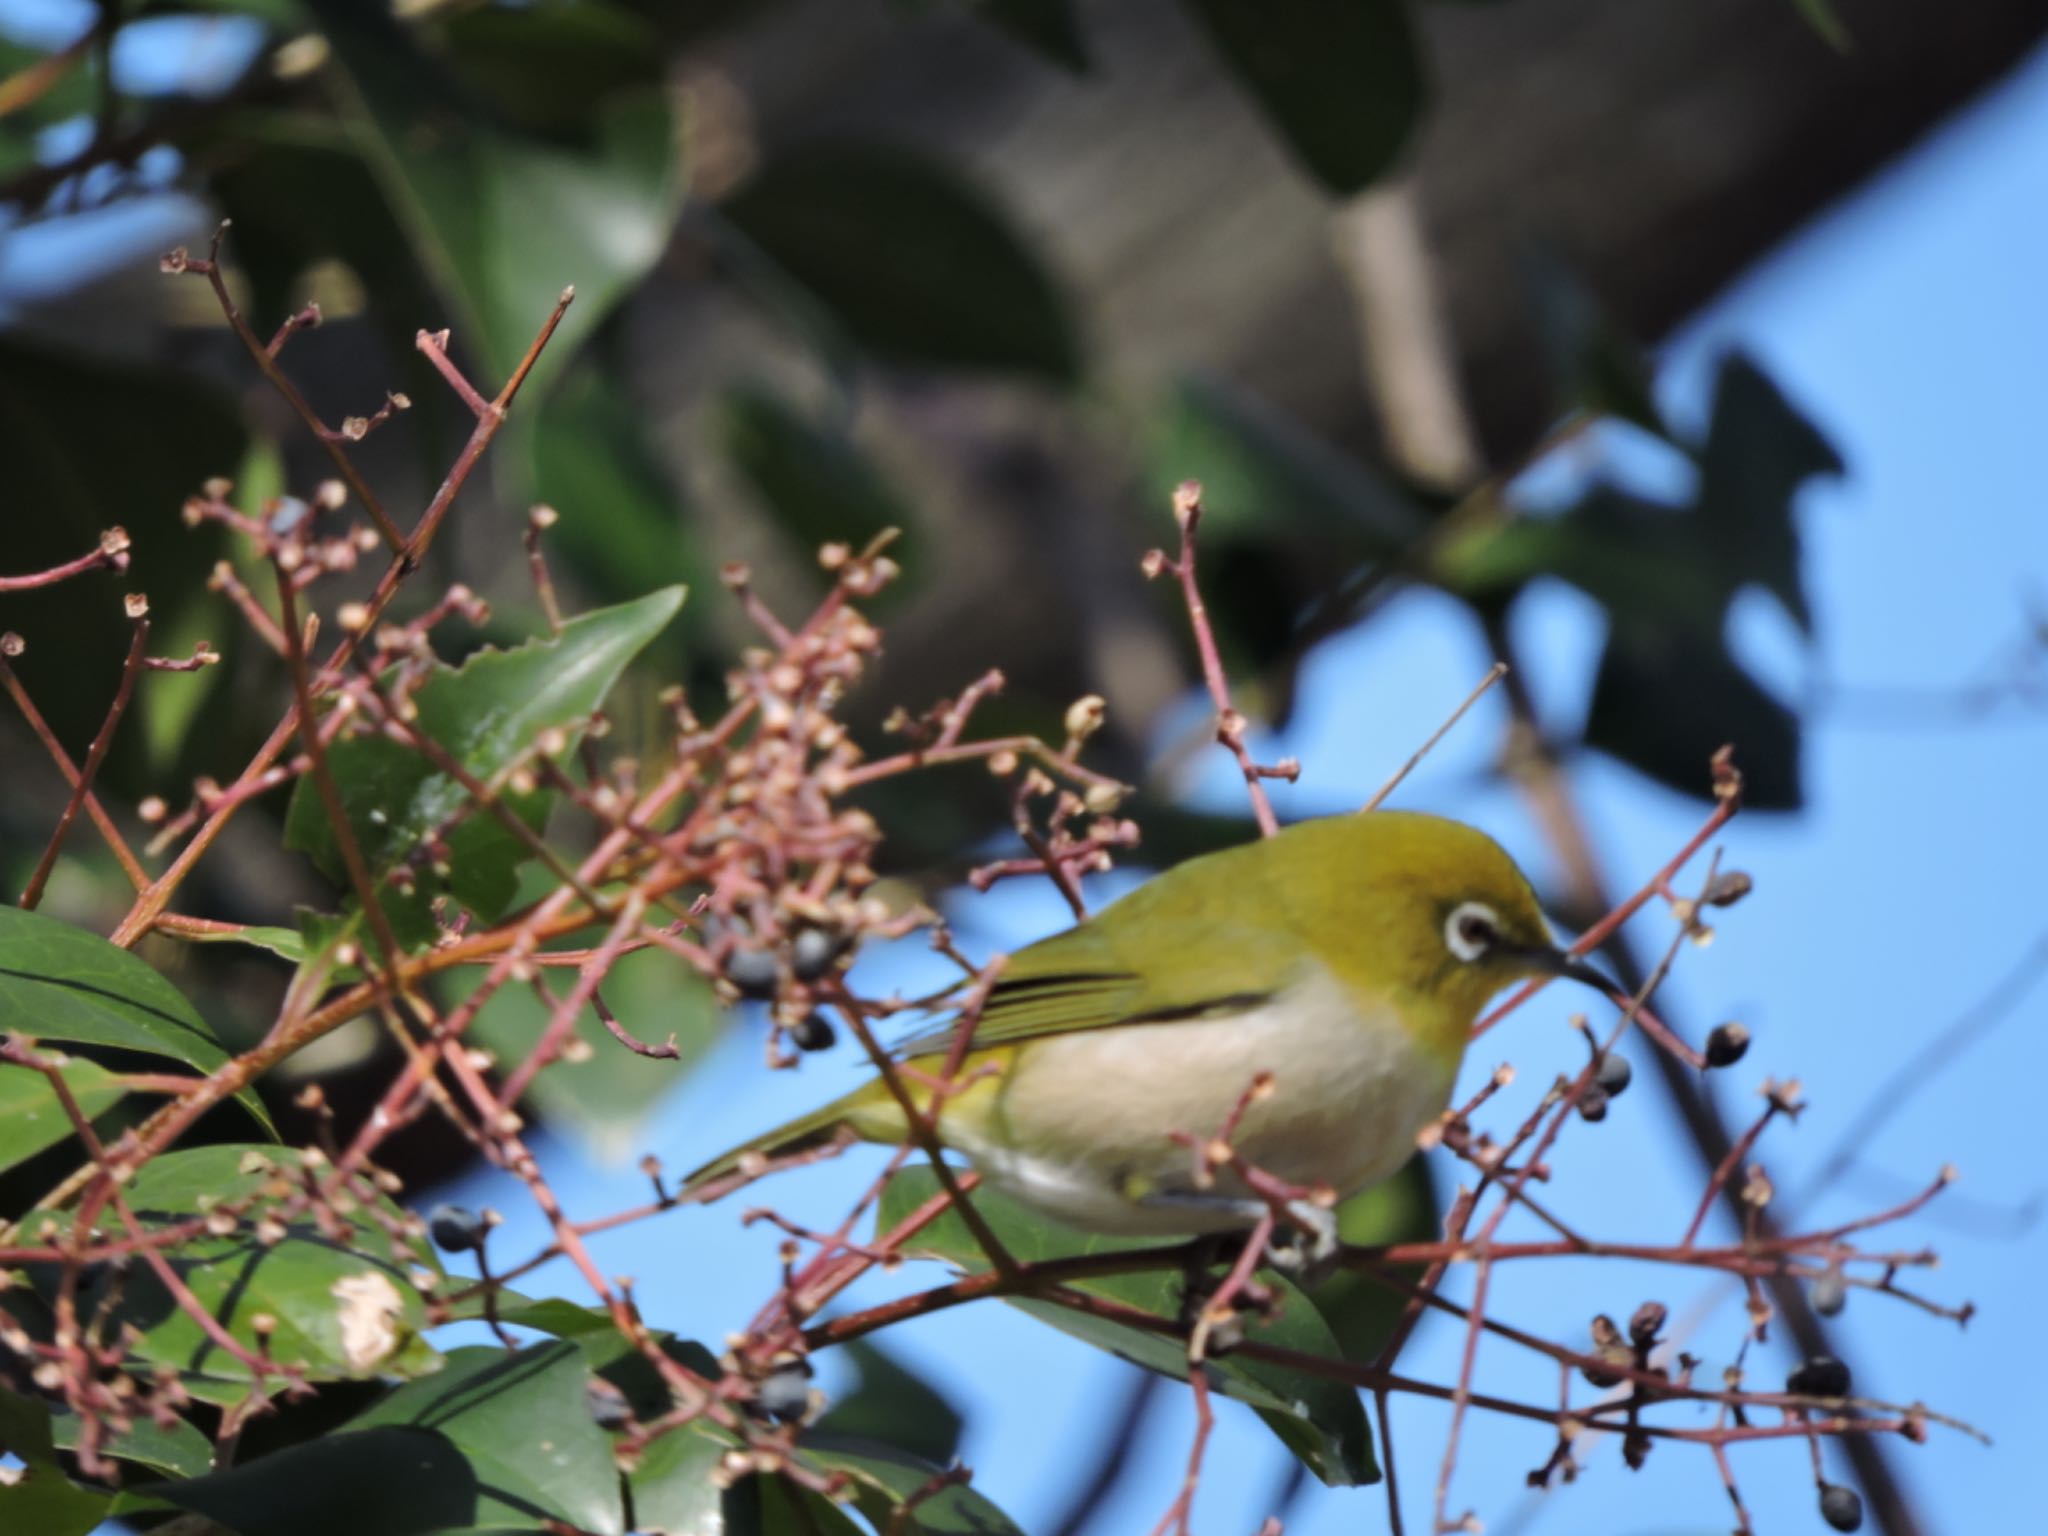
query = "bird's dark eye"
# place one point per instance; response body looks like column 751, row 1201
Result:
column 1471, row 930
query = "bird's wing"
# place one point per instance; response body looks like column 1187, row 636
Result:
column 1081, row 979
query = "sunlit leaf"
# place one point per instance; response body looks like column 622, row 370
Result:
column 343, row 1310
column 486, row 714
column 32, row 1117
column 522, row 1421
column 179, row 1448
column 44, row 1501
column 886, row 1478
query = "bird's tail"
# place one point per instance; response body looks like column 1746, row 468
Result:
column 843, row 1120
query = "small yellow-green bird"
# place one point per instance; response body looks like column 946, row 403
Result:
column 1347, row 957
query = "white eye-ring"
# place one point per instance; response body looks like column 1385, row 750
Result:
column 1471, row 930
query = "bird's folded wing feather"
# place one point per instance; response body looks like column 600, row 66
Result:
column 1085, row 978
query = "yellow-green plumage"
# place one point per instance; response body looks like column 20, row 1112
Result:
column 1319, row 956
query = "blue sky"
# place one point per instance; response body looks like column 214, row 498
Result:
column 1912, row 324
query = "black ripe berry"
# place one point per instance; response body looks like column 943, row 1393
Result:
column 1614, row 1074
column 813, row 1032
column 455, row 1228
column 785, row 1393
column 1841, row 1507
column 812, row 952
column 1593, row 1104
column 753, row 971
column 1726, row 1045
column 1819, row 1376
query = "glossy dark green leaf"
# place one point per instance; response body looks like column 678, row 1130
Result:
column 501, row 218
column 344, row 1310
column 812, row 479
column 522, row 1421
column 1343, row 84
column 1321, row 1421
column 394, row 1480
column 1760, row 451
column 893, row 1404
column 179, row 1449
column 31, row 1115
column 548, row 67
column 1665, row 701
column 63, row 984
column 1264, row 478
column 911, row 260
column 43, row 1501
column 486, row 714
column 885, row 1478
column 604, row 1098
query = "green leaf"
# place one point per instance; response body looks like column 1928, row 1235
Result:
column 672, row 1487
column 394, row 1480
column 43, row 1501
column 586, row 454
column 504, row 219
column 893, row 1404
column 1665, row 700
column 1343, row 83
column 912, row 261
column 486, row 714
column 32, row 1117
column 522, row 1420
column 1264, row 478
column 811, row 478
column 308, row 1282
column 1759, row 452
column 60, row 983
column 604, row 1099
column 884, row 1477
column 180, row 1449
column 1320, row 1420
column 1594, row 366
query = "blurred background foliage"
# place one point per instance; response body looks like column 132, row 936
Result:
column 997, row 273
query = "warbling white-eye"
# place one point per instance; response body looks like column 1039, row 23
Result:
column 1347, row 957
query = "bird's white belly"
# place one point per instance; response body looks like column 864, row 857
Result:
column 1087, row 1120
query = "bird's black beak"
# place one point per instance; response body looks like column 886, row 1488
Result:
column 1556, row 962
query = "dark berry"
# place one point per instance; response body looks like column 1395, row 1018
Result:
column 1726, row 1045
column 785, row 1393
column 1819, row 1376
column 455, row 1228
column 1830, row 1295
column 1841, row 1507
column 813, row 1032
column 1728, row 887
column 813, row 951
column 1614, row 1074
column 1593, row 1104
column 753, row 971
